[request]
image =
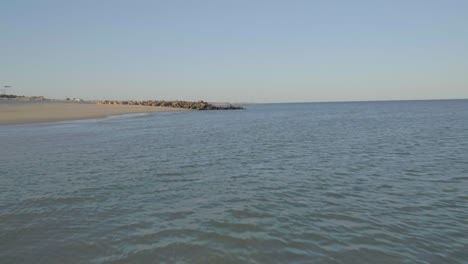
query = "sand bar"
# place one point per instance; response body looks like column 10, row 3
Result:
column 24, row 113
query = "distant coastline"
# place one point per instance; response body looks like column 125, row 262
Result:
column 38, row 109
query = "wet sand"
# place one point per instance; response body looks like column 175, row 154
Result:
column 24, row 113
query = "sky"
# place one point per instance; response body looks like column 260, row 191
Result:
column 237, row 51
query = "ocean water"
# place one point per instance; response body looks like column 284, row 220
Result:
column 364, row 182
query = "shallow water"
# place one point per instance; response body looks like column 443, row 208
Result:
column 375, row 182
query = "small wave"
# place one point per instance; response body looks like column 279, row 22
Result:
column 126, row 116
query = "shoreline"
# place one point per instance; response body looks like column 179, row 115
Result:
column 47, row 112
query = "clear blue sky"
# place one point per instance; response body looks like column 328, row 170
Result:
column 242, row 50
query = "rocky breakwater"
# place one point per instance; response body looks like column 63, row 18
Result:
column 200, row 105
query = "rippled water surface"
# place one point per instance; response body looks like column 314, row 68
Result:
column 376, row 182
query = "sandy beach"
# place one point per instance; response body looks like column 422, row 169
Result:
column 24, row 113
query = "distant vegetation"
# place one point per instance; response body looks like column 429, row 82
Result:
column 9, row 96
column 22, row 97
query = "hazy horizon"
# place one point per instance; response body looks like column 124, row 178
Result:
column 58, row 99
column 243, row 51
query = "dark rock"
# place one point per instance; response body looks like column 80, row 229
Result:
column 199, row 105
